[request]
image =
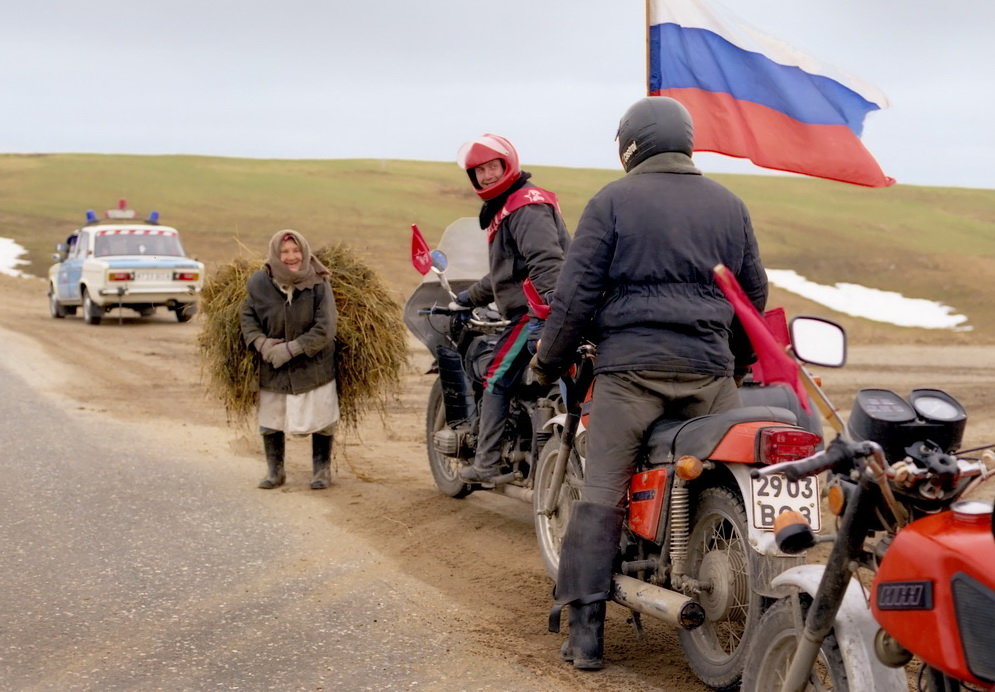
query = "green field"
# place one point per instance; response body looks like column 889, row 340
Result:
column 924, row 242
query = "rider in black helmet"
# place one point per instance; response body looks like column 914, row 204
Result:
column 639, row 276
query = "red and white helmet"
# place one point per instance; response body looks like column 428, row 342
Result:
column 486, row 148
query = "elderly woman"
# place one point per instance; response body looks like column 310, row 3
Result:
column 289, row 318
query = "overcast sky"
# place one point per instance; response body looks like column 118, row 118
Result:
column 412, row 80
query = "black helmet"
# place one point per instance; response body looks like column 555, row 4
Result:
column 653, row 125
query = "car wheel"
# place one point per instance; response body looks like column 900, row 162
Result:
column 184, row 313
column 92, row 313
column 55, row 308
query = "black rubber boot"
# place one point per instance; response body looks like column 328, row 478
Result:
column 274, row 443
column 321, row 459
column 584, row 580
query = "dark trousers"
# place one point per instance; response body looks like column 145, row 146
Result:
column 622, row 408
column 511, row 357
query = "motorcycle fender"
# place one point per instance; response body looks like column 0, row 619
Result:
column 556, row 422
column 766, row 559
column 855, row 629
column 559, row 421
column 762, row 541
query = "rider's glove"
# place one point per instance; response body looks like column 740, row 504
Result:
column 463, row 299
column 545, row 375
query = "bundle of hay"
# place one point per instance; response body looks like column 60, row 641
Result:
column 370, row 343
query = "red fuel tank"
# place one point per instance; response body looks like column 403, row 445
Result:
column 935, row 591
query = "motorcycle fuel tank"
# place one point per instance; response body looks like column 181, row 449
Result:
column 935, row 591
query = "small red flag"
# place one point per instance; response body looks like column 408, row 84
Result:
column 776, row 367
column 421, row 255
column 538, row 305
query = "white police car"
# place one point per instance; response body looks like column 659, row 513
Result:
column 121, row 262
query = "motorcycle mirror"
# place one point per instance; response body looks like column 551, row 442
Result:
column 818, row 341
column 439, row 261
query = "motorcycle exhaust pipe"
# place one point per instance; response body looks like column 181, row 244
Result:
column 672, row 607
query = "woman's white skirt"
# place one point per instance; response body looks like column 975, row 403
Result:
column 300, row 414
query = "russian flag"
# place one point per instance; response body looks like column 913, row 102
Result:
column 755, row 97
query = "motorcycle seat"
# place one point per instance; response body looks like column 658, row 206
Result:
column 670, row 439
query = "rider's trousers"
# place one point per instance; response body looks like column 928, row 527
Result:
column 511, row 357
column 623, row 407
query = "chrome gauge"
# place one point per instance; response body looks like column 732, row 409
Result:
column 935, row 408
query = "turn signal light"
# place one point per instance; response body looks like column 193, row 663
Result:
column 688, row 468
column 775, row 445
column 185, row 276
column 792, row 532
column 120, row 276
column 836, row 499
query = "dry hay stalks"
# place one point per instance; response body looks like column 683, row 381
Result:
column 371, row 347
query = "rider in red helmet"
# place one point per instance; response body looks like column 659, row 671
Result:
column 527, row 239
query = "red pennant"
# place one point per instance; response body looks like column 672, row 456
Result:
column 421, row 255
column 776, row 367
column 538, row 305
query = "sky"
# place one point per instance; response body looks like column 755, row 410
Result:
column 413, row 80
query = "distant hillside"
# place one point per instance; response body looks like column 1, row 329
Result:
column 932, row 243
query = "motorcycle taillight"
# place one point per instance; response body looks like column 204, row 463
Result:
column 775, row 445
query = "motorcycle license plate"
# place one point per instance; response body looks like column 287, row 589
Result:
column 775, row 494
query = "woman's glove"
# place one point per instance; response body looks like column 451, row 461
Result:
column 264, row 343
column 283, row 352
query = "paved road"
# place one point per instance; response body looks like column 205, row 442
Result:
column 125, row 567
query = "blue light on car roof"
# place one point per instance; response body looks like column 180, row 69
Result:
column 153, row 217
column 91, row 216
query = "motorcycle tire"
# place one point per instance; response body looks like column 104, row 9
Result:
column 718, row 548
column 774, row 645
column 551, row 529
column 445, row 469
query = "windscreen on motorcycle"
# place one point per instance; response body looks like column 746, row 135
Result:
column 465, row 246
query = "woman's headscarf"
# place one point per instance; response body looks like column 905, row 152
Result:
column 312, row 271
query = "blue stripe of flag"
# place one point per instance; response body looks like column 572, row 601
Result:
column 682, row 57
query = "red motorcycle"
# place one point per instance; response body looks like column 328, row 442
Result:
column 697, row 548
column 934, row 597
column 896, row 488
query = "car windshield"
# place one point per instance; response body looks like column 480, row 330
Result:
column 137, row 244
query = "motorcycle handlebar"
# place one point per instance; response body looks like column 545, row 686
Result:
column 839, row 452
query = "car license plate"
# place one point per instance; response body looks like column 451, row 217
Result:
column 153, row 276
column 775, row 494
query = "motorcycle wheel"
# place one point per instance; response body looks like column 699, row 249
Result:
column 718, row 558
column 551, row 529
column 770, row 654
column 445, row 470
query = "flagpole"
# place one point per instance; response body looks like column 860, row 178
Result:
column 646, row 25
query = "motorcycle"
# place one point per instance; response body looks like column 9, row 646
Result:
column 896, row 489
column 697, row 548
column 461, row 342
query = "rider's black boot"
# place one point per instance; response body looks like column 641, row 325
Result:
column 584, row 580
column 274, row 443
column 321, row 459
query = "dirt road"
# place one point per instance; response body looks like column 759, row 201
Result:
column 479, row 551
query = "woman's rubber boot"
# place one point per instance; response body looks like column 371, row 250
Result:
column 321, row 459
column 584, row 580
column 274, row 443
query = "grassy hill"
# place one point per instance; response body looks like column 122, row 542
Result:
column 932, row 243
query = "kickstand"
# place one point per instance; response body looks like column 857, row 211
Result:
column 636, row 619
